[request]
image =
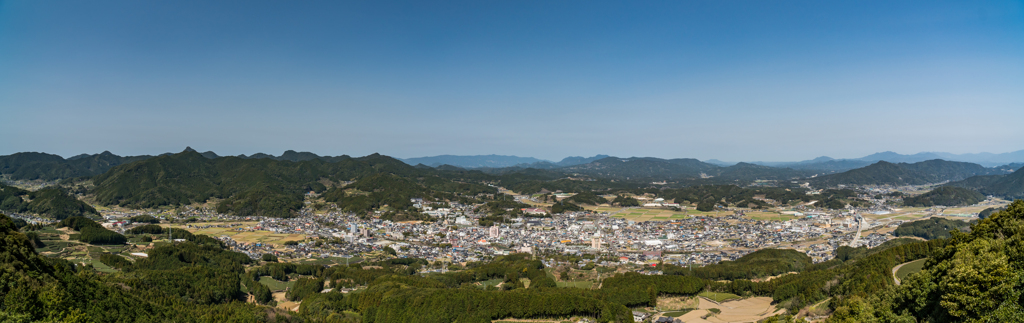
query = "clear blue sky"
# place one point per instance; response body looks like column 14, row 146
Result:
column 732, row 80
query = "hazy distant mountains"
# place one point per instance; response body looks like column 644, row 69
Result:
column 929, row 171
column 288, row 155
column 830, row 164
column 497, row 161
column 478, row 161
column 824, row 164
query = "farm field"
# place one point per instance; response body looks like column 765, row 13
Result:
column 240, row 236
column 769, row 216
column 720, row 297
column 677, row 303
column 275, row 285
column 977, row 208
column 577, row 284
column 752, row 309
column 644, row 214
column 492, row 282
column 331, row 261
column 910, row 268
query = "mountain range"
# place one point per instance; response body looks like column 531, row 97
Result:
column 497, row 161
column 829, row 163
column 267, row 185
column 823, row 163
column 1007, row 186
column 925, row 172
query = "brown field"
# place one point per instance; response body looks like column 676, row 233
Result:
column 668, row 304
column 643, row 214
column 769, row 216
column 745, row 310
column 242, row 236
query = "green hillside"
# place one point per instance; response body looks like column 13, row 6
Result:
column 934, row 228
column 268, row 187
column 1009, row 186
column 945, row 196
column 53, row 202
column 643, row 168
column 977, row 277
column 757, row 264
column 41, row 166
column 931, row 171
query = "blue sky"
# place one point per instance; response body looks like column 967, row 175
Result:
column 732, row 80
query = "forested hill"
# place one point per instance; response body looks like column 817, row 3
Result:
column 42, row 166
column 288, row 155
column 1007, row 186
column 934, row 228
column 945, row 196
column 641, row 168
column 931, row 171
column 54, row 202
column 977, row 277
column 479, row 161
column 246, row 187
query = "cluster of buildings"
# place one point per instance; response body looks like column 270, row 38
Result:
column 456, row 237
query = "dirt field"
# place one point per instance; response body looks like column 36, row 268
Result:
column 768, row 216
column 676, row 303
column 241, row 236
column 643, row 214
column 746, row 310
column 283, row 302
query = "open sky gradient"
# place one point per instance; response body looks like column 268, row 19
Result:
column 732, row 80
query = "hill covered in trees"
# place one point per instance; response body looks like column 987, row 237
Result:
column 926, row 172
column 757, row 264
column 976, row 277
column 268, row 187
column 945, row 196
column 54, row 202
column 179, row 283
column 42, row 166
column 1007, row 186
column 934, row 228
column 649, row 168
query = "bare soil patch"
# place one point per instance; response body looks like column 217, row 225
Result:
column 745, row 310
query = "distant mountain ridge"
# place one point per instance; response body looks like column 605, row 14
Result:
column 475, row 161
column 825, row 163
column 244, row 186
column 43, row 166
column 1007, row 186
column 925, row 172
column 498, row 161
